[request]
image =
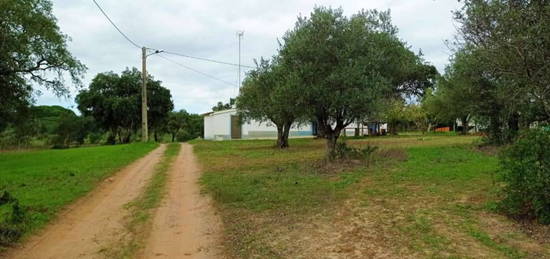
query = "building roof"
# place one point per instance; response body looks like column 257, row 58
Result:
column 219, row 112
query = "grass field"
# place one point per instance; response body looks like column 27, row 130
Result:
column 422, row 196
column 44, row 181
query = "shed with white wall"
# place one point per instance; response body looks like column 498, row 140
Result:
column 225, row 124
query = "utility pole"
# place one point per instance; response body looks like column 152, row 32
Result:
column 144, row 126
column 240, row 35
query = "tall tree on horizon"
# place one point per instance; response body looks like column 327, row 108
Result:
column 115, row 102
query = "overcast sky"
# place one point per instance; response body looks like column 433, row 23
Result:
column 207, row 28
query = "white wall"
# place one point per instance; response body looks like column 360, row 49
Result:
column 217, row 125
column 255, row 129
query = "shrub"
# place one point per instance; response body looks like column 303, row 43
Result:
column 343, row 151
column 11, row 219
column 525, row 168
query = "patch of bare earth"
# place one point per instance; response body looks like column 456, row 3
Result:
column 185, row 225
column 94, row 221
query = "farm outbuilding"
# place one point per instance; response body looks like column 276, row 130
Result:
column 226, row 124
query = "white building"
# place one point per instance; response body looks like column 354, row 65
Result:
column 225, row 124
column 365, row 129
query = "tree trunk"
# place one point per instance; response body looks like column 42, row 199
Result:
column 173, row 136
column 393, row 129
column 513, row 127
column 286, row 133
column 465, row 125
column 119, row 133
column 282, row 136
column 332, row 139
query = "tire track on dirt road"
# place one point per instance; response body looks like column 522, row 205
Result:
column 185, row 225
column 95, row 220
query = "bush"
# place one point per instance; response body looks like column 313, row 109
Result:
column 183, row 135
column 343, row 151
column 11, row 219
column 525, row 167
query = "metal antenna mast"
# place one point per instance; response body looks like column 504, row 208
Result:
column 240, row 35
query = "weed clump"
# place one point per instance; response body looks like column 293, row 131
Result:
column 345, row 152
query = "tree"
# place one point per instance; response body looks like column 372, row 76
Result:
column 456, row 96
column 468, row 89
column 194, row 128
column 221, row 106
column 184, row 126
column 115, row 102
column 394, row 114
column 177, row 121
column 419, row 115
column 47, row 117
column 71, row 129
column 345, row 67
column 269, row 94
column 33, row 51
column 510, row 41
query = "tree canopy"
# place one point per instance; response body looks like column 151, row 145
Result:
column 32, row 51
column 115, row 102
column 513, row 39
column 220, row 106
column 269, row 94
column 498, row 73
column 346, row 67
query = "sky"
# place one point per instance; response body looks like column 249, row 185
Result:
column 208, row 29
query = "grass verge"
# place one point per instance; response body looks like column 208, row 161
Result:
column 423, row 197
column 142, row 208
column 40, row 183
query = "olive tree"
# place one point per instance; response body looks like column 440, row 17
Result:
column 269, row 94
column 344, row 67
column 512, row 41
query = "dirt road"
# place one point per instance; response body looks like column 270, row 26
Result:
column 185, row 225
column 94, row 221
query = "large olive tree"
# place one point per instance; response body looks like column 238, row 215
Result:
column 346, row 67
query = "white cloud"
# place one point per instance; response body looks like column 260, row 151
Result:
column 207, row 28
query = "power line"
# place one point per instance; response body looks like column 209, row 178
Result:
column 167, row 52
column 116, row 27
column 206, row 59
column 196, row 71
column 171, row 52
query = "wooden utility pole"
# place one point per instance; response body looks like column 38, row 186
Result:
column 144, row 129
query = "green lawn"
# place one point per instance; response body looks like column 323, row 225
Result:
column 423, row 196
column 44, row 181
